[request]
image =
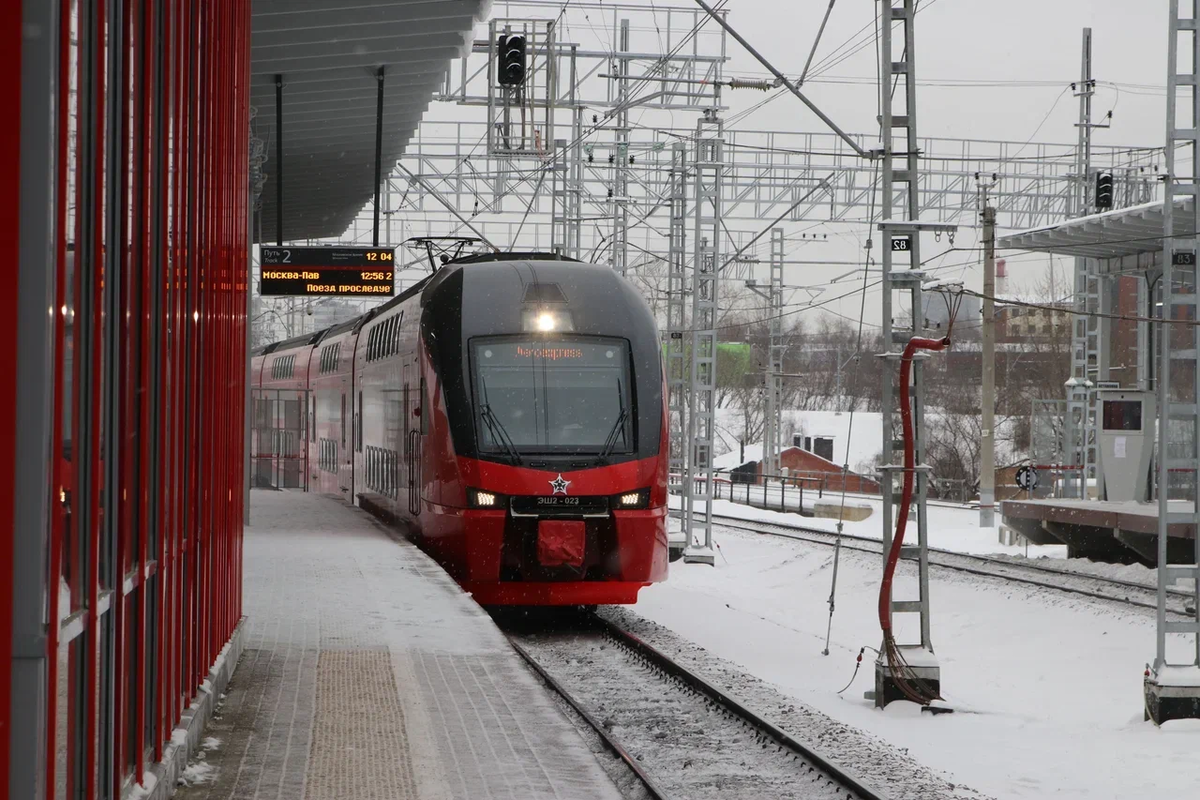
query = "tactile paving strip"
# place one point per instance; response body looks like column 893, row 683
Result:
column 359, row 745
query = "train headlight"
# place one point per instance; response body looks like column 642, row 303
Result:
column 477, row 498
column 546, row 320
column 638, row 499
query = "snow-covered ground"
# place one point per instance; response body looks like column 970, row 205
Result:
column 1047, row 688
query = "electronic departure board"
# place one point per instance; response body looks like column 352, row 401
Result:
column 328, row 271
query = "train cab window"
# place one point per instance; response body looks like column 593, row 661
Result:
column 568, row 395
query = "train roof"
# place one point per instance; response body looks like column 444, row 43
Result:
column 287, row 344
column 342, row 327
column 482, row 258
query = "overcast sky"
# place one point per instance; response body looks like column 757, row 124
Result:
column 1012, row 41
column 1009, row 44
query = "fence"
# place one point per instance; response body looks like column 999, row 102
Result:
column 773, row 492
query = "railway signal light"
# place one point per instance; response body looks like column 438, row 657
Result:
column 510, row 69
column 1104, row 191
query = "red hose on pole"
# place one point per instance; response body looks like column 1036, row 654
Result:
column 885, row 587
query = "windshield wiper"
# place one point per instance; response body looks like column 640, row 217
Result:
column 610, row 441
column 495, row 426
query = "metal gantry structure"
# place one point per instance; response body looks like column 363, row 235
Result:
column 578, row 161
column 1172, row 684
column 766, row 173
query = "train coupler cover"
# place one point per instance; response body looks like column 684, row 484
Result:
column 561, row 543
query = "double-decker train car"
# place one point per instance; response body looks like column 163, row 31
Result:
column 509, row 413
column 331, row 410
column 280, row 376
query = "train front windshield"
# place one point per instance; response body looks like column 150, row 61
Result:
column 563, row 396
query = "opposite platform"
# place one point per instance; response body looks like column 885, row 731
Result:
column 367, row 673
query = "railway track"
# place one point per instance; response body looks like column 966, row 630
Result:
column 682, row 736
column 1041, row 575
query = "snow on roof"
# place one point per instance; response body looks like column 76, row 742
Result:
column 864, row 433
column 734, row 457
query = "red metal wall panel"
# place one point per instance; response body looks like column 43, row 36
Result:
column 151, row 259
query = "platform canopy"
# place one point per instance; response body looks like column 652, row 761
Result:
column 1131, row 236
column 328, row 53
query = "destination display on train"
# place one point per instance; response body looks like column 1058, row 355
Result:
column 328, row 271
column 516, row 353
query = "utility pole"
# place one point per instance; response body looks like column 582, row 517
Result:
column 987, row 449
column 1087, row 332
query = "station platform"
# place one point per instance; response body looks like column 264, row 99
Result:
column 367, row 673
column 1121, row 532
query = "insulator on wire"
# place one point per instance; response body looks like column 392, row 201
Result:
column 750, row 83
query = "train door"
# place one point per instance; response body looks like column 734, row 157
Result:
column 359, row 473
column 313, row 464
column 344, row 469
column 404, row 427
column 415, row 415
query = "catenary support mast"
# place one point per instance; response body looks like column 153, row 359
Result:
column 706, row 277
column 1172, row 684
column 901, row 227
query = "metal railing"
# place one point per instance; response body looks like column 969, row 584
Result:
column 784, row 493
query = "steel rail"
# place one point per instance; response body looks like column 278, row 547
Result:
column 611, row 743
column 848, row 781
column 828, row 538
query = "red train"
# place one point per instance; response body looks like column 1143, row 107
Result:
column 508, row 411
